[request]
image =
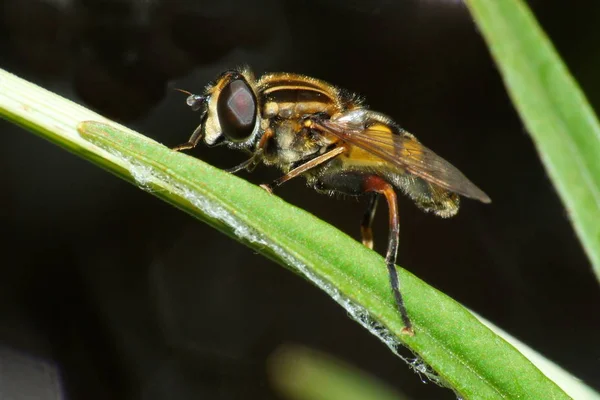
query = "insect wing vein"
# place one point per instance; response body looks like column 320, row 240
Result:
column 408, row 154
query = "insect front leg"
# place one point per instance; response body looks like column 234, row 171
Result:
column 192, row 142
column 249, row 164
column 374, row 183
column 256, row 158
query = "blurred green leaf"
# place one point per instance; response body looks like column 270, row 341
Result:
column 300, row 373
column 558, row 117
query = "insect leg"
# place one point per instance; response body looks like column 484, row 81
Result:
column 303, row 168
column 376, row 184
column 365, row 225
column 249, row 163
column 192, row 142
column 253, row 161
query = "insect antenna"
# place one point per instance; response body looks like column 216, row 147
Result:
column 184, row 91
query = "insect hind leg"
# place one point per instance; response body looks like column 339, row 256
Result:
column 376, row 184
column 365, row 225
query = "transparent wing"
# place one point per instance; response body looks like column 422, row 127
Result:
column 406, row 153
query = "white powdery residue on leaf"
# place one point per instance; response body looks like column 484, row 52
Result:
column 140, row 172
column 424, row 370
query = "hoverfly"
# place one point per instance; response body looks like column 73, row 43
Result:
column 308, row 127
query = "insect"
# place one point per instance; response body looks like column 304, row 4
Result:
column 308, row 127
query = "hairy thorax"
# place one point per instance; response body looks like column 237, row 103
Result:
column 292, row 143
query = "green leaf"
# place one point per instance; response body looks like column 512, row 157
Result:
column 556, row 113
column 467, row 356
column 300, row 373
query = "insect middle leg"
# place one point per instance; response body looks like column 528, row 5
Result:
column 304, row 167
column 365, row 225
column 376, row 184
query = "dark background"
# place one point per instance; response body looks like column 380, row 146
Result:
column 133, row 299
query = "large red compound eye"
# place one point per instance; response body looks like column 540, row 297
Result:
column 236, row 109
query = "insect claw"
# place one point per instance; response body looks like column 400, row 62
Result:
column 267, row 188
column 185, row 146
column 407, row 331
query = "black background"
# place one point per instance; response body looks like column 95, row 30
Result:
column 134, row 299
